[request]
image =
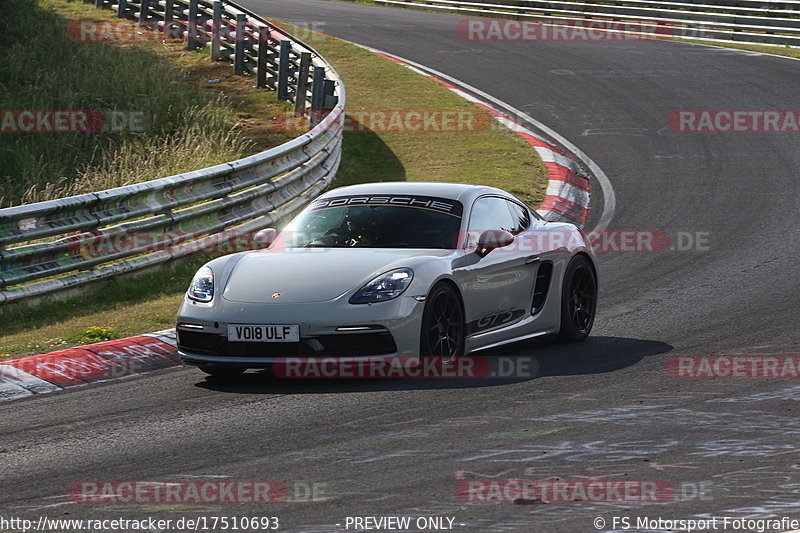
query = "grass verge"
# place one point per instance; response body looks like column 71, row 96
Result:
column 182, row 122
column 487, row 154
column 785, row 51
column 491, row 155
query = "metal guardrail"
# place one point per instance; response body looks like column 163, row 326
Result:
column 54, row 245
column 752, row 21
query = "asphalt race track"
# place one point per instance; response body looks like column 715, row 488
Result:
column 605, row 409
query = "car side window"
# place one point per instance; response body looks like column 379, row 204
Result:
column 521, row 216
column 489, row 212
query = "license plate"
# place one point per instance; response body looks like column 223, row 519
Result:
column 263, row 333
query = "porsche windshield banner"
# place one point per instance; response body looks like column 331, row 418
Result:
column 442, row 205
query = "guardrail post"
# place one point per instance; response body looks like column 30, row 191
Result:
column 317, row 95
column 261, row 60
column 192, row 36
column 168, row 13
column 238, row 52
column 283, row 70
column 171, row 31
column 329, row 100
column 216, row 30
column 302, row 84
column 144, row 11
column 122, row 9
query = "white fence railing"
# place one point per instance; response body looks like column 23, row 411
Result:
column 752, row 21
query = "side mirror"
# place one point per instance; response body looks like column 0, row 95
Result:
column 492, row 239
column 262, row 239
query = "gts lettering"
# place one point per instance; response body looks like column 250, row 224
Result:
column 495, row 319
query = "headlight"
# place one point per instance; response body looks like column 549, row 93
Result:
column 202, row 287
column 384, row 287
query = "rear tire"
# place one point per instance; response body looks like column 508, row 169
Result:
column 578, row 300
column 442, row 333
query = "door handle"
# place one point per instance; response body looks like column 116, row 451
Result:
column 532, row 259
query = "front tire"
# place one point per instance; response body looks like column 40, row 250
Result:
column 578, row 300
column 442, row 333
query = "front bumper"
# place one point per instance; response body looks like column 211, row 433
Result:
column 327, row 329
column 267, row 362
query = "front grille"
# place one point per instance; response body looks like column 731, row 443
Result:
column 358, row 344
column 350, row 344
column 202, row 343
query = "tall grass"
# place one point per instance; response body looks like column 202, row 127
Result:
column 41, row 68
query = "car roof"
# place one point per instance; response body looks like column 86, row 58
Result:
column 454, row 191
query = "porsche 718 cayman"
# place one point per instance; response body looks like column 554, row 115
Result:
column 392, row 269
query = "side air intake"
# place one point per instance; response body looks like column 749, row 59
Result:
column 542, row 286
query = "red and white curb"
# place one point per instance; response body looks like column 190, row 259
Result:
column 94, row 363
column 568, row 191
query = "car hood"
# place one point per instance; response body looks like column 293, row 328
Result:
column 313, row 275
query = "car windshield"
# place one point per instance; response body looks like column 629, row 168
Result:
column 386, row 221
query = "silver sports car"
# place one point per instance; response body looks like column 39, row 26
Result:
column 391, row 269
